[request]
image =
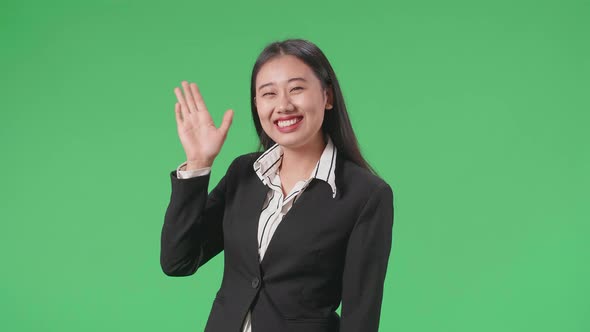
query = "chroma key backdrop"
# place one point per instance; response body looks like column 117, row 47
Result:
column 475, row 112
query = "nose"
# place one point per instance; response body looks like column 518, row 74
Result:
column 284, row 103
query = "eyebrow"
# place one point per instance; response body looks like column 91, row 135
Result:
column 290, row 80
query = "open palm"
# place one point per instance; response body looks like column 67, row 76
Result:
column 200, row 138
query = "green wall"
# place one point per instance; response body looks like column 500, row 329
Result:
column 475, row 112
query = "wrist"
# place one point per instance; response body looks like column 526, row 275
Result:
column 197, row 164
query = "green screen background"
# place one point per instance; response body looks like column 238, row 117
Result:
column 475, row 112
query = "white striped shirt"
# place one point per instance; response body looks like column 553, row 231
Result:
column 276, row 205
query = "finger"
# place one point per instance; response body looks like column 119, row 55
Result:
column 198, row 98
column 189, row 97
column 226, row 122
column 183, row 107
column 178, row 115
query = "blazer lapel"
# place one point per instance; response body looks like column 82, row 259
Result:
column 292, row 224
column 291, row 230
column 251, row 201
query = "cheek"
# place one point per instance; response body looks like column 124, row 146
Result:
column 310, row 103
column 263, row 116
column 313, row 109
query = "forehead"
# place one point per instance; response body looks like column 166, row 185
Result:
column 282, row 68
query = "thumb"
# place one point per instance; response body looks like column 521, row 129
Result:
column 226, row 122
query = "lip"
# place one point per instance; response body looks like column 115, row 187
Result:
column 287, row 118
column 290, row 128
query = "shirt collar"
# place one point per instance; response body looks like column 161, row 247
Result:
column 268, row 164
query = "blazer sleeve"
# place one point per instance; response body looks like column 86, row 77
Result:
column 192, row 233
column 367, row 255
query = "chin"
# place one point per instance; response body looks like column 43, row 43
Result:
column 292, row 140
column 288, row 142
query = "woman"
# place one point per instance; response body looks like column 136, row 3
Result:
column 304, row 224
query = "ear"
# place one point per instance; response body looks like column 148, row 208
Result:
column 255, row 102
column 329, row 97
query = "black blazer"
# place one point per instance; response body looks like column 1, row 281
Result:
column 324, row 250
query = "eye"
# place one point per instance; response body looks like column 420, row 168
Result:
column 268, row 93
column 297, row 88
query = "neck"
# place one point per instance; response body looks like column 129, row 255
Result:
column 299, row 162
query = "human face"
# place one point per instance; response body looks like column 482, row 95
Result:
column 291, row 102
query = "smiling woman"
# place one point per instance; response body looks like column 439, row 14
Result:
column 290, row 99
column 305, row 224
column 304, row 66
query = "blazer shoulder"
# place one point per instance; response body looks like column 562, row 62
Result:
column 361, row 179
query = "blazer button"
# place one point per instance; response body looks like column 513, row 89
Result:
column 255, row 282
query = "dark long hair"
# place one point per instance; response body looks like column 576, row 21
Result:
column 336, row 121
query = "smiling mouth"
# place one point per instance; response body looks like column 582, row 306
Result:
column 287, row 123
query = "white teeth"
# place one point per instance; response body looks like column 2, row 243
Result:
column 288, row 122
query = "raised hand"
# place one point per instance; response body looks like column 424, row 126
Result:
column 200, row 138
